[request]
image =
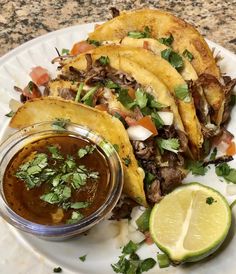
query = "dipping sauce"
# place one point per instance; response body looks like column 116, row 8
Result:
column 56, row 180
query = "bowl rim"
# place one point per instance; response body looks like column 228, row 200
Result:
column 84, row 224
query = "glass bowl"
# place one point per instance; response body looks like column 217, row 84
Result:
column 30, row 134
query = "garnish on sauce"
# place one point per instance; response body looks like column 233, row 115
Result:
column 58, row 180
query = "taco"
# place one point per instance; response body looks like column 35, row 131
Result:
column 170, row 30
column 49, row 108
column 128, row 91
column 164, row 72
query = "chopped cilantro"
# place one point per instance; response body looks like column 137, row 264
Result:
column 196, row 167
column 147, row 264
column 157, row 120
column 187, row 54
column 125, row 99
column 112, row 85
column 173, row 58
column 83, row 258
column 104, row 60
column 55, row 153
column 65, row 51
column 60, row 123
column 140, row 34
column 127, row 160
column 130, row 263
column 213, row 154
column 167, row 40
column 163, row 260
column 86, row 150
column 149, row 178
column 57, row 269
column 116, row 147
column 210, row 200
column 141, row 98
column 233, row 100
column 228, row 173
column 79, row 205
column 10, row 114
column 171, row 144
column 182, row 93
column 75, row 217
column 94, row 42
column 130, row 248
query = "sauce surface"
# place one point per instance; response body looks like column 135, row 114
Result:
column 27, row 202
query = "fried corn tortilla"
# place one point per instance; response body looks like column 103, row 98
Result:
column 151, row 70
column 49, row 108
column 186, row 37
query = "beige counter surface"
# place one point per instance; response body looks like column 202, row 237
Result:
column 23, row 20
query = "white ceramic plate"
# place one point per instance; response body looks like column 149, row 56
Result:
column 101, row 246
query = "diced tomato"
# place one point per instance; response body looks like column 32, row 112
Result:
column 231, row 150
column 103, row 107
column 130, row 121
column 145, row 44
column 148, row 124
column 131, row 93
column 40, row 76
column 148, row 238
column 31, row 91
column 81, row 47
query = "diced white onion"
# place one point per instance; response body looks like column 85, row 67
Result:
column 123, row 236
column 167, row 117
column 231, row 189
column 135, row 214
column 138, row 133
column 136, row 236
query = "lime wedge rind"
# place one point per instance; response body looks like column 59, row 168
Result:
column 183, row 255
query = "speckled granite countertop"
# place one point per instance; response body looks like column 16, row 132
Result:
column 22, row 20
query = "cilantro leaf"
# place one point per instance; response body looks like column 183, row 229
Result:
column 173, row 58
column 112, row 85
column 10, row 114
column 196, row 167
column 78, row 94
column 210, row 200
column 75, row 217
column 187, row 54
column 127, row 160
column 104, row 60
column 86, row 150
column 83, row 258
column 225, row 171
column 60, row 123
column 140, row 34
column 141, row 98
column 57, row 269
column 171, row 144
column 147, row 264
column 213, row 154
column 125, row 99
column 94, row 42
column 182, row 93
column 130, row 248
column 143, row 221
column 157, row 120
column 167, row 40
column 65, row 51
column 55, row 153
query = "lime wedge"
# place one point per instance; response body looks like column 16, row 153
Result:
column 190, row 223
